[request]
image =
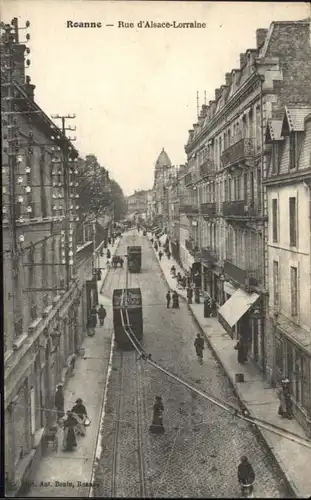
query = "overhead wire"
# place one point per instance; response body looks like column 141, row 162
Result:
column 235, row 412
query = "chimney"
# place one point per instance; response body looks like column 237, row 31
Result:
column 19, row 60
column 260, row 37
column 228, row 78
column 191, row 133
column 217, row 94
column 204, row 110
column 242, row 60
column 29, row 88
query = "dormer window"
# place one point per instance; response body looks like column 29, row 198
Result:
column 293, row 150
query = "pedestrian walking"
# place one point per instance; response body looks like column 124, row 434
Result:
column 160, row 255
column 213, row 308
column 189, row 295
column 246, row 474
column 173, row 271
column 286, row 406
column 183, row 282
column 175, row 299
column 199, row 347
column 157, row 420
column 80, row 414
column 168, row 299
column 207, row 308
column 242, row 348
column 108, row 253
column 69, row 436
column 59, row 401
column 102, row 313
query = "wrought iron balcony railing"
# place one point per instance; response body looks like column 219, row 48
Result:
column 188, row 209
column 208, row 168
column 188, row 179
column 238, row 152
column 208, row 255
column 244, row 277
column 192, row 247
column 208, row 209
column 238, row 209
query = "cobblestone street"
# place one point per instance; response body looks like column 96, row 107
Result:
column 200, row 450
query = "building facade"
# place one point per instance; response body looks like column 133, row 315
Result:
column 288, row 184
column 44, row 285
column 137, row 204
column 227, row 166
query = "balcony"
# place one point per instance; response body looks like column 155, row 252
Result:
column 207, row 169
column 238, row 210
column 208, row 209
column 245, row 278
column 208, row 256
column 241, row 151
column 188, row 209
column 188, row 179
column 191, row 246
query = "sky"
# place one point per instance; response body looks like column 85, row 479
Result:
column 133, row 90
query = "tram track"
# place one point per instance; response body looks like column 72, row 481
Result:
column 114, row 473
column 127, row 362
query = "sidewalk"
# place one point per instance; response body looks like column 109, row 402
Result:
column 255, row 394
column 61, row 474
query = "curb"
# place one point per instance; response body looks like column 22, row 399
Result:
column 104, row 279
column 264, row 440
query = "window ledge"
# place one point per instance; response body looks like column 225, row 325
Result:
column 19, row 341
column 55, row 299
column 34, row 325
column 46, row 311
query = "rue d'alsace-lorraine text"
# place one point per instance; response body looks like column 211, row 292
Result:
column 139, row 24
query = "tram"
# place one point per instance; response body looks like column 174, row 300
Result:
column 134, row 259
column 132, row 299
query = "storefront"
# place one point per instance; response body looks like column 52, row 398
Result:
column 196, row 273
column 293, row 360
column 234, row 314
column 175, row 249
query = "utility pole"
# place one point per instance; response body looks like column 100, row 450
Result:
column 68, row 173
column 10, row 48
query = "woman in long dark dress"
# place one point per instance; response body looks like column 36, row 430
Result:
column 80, row 414
column 157, row 420
column 69, row 441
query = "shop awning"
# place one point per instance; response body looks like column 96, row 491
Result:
column 163, row 239
column 237, row 306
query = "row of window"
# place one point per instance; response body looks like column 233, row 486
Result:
column 246, row 126
column 292, row 221
column 294, row 287
column 293, row 363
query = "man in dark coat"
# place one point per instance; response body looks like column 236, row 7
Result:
column 246, row 474
column 102, row 313
column 189, row 295
column 175, row 299
column 59, row 401
column 168, row 299
column 199, row 346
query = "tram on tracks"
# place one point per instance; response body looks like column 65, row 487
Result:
column 127, row 306
column 134, row 259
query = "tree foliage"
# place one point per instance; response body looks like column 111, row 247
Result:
column 98, row 194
